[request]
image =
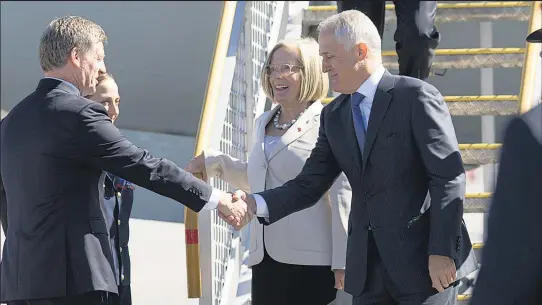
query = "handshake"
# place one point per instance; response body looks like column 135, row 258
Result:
column 236, row 209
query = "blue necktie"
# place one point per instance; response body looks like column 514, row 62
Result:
column 359, row 119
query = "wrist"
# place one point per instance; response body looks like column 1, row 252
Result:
column 251, row 203
column 225, row 198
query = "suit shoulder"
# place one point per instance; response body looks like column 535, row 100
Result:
column 79, row 109
column 69, row 102
column 335, row 100
column 530, row 121
column 407, row 82
column 333, row 104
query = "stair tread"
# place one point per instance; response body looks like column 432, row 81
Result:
column 485, row 195
column 473, row 58
column 463, row 98
column 480, row 153
column 448, row 12
column 477, row 202
column 490, row 146
column 459, row 5
column 469, row 51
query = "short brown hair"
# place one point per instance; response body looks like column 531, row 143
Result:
column 62, row 35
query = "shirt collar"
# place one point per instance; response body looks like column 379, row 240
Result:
column 66, row 82
column 368, row 88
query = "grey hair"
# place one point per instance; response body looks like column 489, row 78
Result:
column 352, row 27
column 62, row 35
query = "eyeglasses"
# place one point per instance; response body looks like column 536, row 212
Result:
column 282, row 69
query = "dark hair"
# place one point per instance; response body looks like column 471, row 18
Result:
column 101, row 78
column 104, row 76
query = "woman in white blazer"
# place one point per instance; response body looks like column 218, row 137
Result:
column 300, row 259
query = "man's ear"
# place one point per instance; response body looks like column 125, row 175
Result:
column 361, row 51
column 75, row 57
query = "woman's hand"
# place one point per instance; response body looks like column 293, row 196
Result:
column 197, row 166
column 339, row 279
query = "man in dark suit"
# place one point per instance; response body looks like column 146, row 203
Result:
column 511, row 270
column 393, row 138
column 416, row 37
column 54, row 148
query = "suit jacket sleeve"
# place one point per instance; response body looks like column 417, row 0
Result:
column 3, row 207
column 512, row 256
column 435, row 138
column 3, row 204
column 340, row 196
column 103, row 146
column 316, row 177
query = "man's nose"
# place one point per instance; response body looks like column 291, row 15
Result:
column 113, row 111
column 325, row 66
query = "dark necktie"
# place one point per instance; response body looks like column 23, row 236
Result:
column 359, row 119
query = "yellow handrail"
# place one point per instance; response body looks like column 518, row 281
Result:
column 528, row 77
column 193, row 272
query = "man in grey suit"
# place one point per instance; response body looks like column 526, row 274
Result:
column 393, row 138
column 54, row 146
column 511, row 270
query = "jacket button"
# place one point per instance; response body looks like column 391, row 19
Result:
column 369, row 197
column 120, row 250
column 122, row 277
column 118, row 222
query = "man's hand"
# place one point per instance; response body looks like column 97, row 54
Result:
column 231, row 211
column 442, row 271
column 251, row 208
column 339, row 279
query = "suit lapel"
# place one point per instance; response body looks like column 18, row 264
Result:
column 260, row 136
column 381, row 102
column 305, row 123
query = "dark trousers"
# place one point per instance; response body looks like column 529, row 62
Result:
column 416, row 37
column 380, row 290
column 125, row 295
column 276, row 283
column 90, row 298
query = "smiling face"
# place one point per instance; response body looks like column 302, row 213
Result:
column 285, row 75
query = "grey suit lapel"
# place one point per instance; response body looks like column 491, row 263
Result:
column 381, row 102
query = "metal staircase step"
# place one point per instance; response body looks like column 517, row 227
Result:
column 464, row 299
column 477, row 105
column 467, row 58
column 483, row 105
column 447, row 12
column 477, row 202
column 481, row 153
